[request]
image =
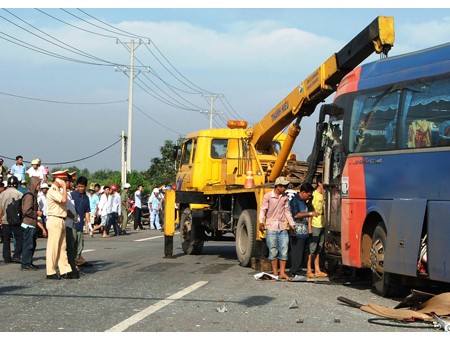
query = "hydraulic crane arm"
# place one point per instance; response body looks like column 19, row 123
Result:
column 377, row 37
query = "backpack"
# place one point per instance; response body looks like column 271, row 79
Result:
column 14, row 211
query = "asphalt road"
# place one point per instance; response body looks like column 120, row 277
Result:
column 133, row 288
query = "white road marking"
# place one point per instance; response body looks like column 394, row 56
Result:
column 122, row 326
column 151, row 238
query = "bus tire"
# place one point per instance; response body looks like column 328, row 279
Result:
column 191, row 242
column 386, row 284
column 246, row 237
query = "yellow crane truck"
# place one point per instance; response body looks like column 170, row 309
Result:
column 224, row 173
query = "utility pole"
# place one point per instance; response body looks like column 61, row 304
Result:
column 131, row 74
column 211, row 111
column 124, row 159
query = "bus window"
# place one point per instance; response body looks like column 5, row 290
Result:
column 427, row 108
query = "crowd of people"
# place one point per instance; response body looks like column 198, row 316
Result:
column 64, row 213
column 290, row 221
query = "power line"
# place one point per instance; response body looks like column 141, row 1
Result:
column 61, row 102
column 43, row 51
column 70, row 49
column 127, row 34
column 154, row 120
column 74, row 26
column 171, row 101
column 74, row 161
column 160, row 98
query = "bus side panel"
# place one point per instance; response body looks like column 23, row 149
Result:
column 439, row 240
column 354, row 207
column 404, row 227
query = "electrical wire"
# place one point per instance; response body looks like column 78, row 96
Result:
column 60, row 102
column 171, row 89
column 43, row 51
column 74, row 26
column 232, row 109
column 127, row 34
column 70, row 49
column 74, row 161
column 154, row 120
column 171, row 101
column 159, row 97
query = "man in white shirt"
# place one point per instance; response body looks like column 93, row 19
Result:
column 104, row 208
column 116, row 209
column 37, row 171
column 138, row 208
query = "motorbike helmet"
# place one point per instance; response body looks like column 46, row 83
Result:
column 13, row 182
column 113, row 187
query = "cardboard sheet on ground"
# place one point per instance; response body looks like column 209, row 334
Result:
column 437, row 305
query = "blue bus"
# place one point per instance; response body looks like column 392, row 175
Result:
column 386, row 161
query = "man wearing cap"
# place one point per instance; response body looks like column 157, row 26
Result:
column 56, row 253
column 154, row 204
column 36, row 171
column 273, row 218
column 42, row 169
column 124, row 201
column 18, row 169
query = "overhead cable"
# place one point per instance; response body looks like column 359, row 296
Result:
column 60, row 102
column 74, row 161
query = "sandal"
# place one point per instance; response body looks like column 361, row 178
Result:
column 322, row 274
column 310, row 275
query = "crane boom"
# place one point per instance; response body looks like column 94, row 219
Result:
column 377, row 37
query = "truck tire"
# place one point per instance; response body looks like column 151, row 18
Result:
column 246, row 237
column 386, row 284
column 191, row 240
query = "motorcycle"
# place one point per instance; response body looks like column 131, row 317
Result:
column 145, row 217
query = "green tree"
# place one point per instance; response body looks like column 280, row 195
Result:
column 163, row 169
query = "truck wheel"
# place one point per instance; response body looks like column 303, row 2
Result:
column 386, row 284
column 246, row 237
column 191, row 241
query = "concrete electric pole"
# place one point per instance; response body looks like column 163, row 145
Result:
column 132, row 73
column 211, row 111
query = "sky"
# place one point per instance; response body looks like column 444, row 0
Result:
column 65, row 72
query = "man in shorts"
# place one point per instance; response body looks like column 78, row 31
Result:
column 317, row 239
column 274, row 214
